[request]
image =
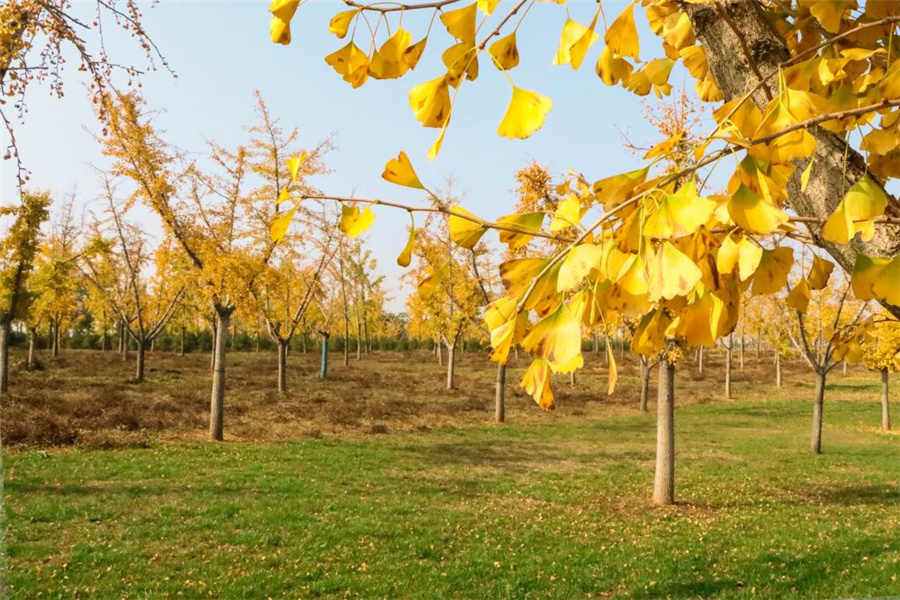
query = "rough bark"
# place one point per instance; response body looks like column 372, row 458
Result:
column 500, row 395
column 831, row 175
column 815, row 442
column 664, row 480
column 885, row 400
column 217, row 399
column 139, row 367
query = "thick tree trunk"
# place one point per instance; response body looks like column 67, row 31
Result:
column 212, row 350
column 664, row 481
column 729, row 354
column 500, row 395
column 815, row 443
column 439, row 351
column 451, row 366
column 139, row 368
column 282, row 366
column 836, row 166
column 885, row 400
column 217, row 399
column 645, row 383
column 778, row 369
column 4, row 357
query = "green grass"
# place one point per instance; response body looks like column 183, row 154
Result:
column 558, row 510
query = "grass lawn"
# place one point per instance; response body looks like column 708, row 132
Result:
column 558, row 510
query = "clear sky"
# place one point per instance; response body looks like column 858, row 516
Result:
column 222, row 53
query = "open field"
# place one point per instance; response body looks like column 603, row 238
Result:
column 380, row 484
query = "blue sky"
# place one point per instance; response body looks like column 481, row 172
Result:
column 221, row 53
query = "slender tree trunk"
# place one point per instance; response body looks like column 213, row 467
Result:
column 758, row 344
column 50, row 335
column 323, row 367
column 256, row 349
column 215, row 343
column 282, row 366
column 358, row 335
column 844, row 368
column 885, row 400
column 4, row 357
column 700, row 360
column 439, row 351
column 741, row 350
column 818, row 409
column 217, row 399
column 645, row 383
column 516, row 351
column 32, row 342
column 728, row 354
column 664, row 481
column 596, row 342
column 500, row 395
column 56, row 336
column 139, row 368
column 778, row 369
column 126, row 344
column 451, row 366
column 572, row 378
column 182, row 339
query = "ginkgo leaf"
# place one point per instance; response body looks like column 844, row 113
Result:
column 557, row 339
column 536, row 383
column 413, row 53
column 279, row 31
column 819, row 273
column 772, row 272
column 804, row 177
column 282, row 13
column 653, row 77
column 406, row 256
column 649, row 338
column 295, row 163
column 428, row 286
column 679, row 214
column 389, row 61
column 622, row 35
column 575, row 40
column 282, row 223
column 612, row 69
column 465, row 232
column 698, row 323
column 577, row 264
column 351, row 63
column 505, row 52
column 798, row 298
column 830, row 12
column 430, row 102
column 863, row 202
column 284, row 196
column 839, row 227
column 400, row 171
column 525, row 114
column 673, row 274
column 633, row 277
column 753, row 214
column 614, row 190
column 528, row 221
column 354, row 222
column 487, row 6
column 340, row 23
column 460, row 23
column 866, row 271
column 567, row 214
column 461, row 59
column 887, row 285
column 517, row 274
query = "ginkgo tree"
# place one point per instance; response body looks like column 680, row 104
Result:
column 800, row 90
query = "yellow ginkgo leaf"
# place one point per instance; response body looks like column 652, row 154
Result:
column 633, row 277
column 528, row 221
column 653, row 77
column 340, row 23
column 525, row 114
column 487, row 6
column 295, row 163
column 804, row 177
column 887, row 285
column 279, row 31
column 517, row 274
column 830, row 12
column 673, row 274
column 406, row 256
column 461, row 59
column 866, row 272
column 575, row 40
column 413, row 53
column 389, row 61
column 460, row 23
column 353, row 221
column 505, row 52
column 284, row 196
column 612, row 371
column 568, row 214
column 649, row 338
column 614, row 190
column 351, row 63
column 839, row 227
column 753, row 214
column 428, row 286
column 612, row 69
column 698, row 323
column 430, row 102
column 819, row 273
column 679, row 214
column 464, row 231
column 576, row 266
column 772, row 272
column 622, row 35
column 536, row 383
column 798, row 298
column 865, row 201
column 282, row 13
column 282, row 223
column 557, row 339
column 400, row 171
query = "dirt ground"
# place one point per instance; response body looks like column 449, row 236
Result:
column 85, row 398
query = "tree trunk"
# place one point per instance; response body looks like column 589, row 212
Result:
column 741, row 349
column 217, row 399
column 572, row 378
column 126, row 341
column 451, row 366
column 664, row 481
column 32, row 342
column 818, row 408
column 182, row 339
column 885, row 400
column 50, row 335
column 645, row 383
column 700, row 361
column 282, row 366
column 439, row 351
column 55, row 353
column 844, row 368
column 212, row 350
column 835, row 165
column 596, row 342
column 323, row 367
column 778, row 369
column 500, row 395
column 728, row 356
column 139, row 369
column 4, row 357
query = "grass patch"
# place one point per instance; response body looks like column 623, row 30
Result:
column 556, row 510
